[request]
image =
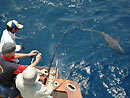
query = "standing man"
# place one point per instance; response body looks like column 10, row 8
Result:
column 9, row 69
column 9, row 33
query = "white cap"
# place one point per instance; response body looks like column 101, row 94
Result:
column 14, row 24
column 30, row 75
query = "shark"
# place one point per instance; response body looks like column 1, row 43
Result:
column 113, row 43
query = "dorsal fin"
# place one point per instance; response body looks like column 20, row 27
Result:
column 117, row 38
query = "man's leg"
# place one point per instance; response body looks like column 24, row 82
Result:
column 14, row 92
column 1, row 96
column 4, row 91
column 19, row 96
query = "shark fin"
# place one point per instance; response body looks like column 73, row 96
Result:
column 117, row 38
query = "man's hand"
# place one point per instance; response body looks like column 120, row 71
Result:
column 34, row 52
column 22, row 47
column 38, row 57
column 52, row 72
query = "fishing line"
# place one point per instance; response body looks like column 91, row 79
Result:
column 90, row 30
column 62, row 37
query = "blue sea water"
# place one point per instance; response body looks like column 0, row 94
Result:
column 83, row 55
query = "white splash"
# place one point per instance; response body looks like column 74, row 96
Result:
column 88, row 69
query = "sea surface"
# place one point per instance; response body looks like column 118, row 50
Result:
column 83, row 55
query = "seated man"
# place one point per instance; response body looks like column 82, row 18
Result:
column 29, row 86
column 9, row 69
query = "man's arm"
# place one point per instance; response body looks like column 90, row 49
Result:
column 38, row 58
column 21, row 68
column 46, row 90
column 22, row 55
column 51, row 80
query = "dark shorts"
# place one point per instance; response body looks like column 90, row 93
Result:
column 11, row 92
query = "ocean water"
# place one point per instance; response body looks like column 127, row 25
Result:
column 83, row 54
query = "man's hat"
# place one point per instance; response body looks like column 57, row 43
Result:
column 14, row 24
column 30, row 75
column 8, row 47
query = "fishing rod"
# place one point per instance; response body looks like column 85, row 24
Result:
column 56, row 69
column 62, row 37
